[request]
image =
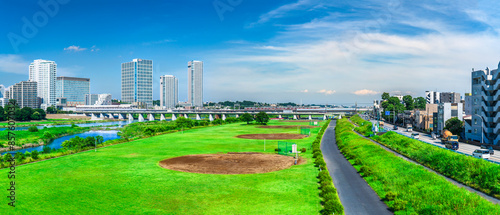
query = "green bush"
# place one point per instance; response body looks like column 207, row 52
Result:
column 34, row 154
column 303, row 150
column 33, row 129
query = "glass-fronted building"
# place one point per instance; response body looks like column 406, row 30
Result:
column 73, row 89
column 44, row 73
column 137, row 81
column 195, row 83
column 169, row 91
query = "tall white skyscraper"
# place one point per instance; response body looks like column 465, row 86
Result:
column 169, row 91
column 195, row 83
column 2, row 91
column 137, row 81
column 44, row 73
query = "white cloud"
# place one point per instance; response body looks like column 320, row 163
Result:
column 13, row 64
column 157, row 42
column 94, row 49
column 326, row 92
column 75, row 49
column 283, row 10
column 365, row 92
column 304, row 91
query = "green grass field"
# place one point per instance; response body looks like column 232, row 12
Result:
column 127, row 179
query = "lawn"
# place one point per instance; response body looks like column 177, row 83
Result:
column 127, row 179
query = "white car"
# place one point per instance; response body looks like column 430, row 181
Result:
column 481, row 153
column 415, row 135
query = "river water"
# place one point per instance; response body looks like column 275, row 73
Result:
column 56, row 144
column 117, row 123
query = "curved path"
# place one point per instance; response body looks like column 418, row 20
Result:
column 356, row 195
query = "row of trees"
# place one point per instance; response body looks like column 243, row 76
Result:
column 23, row 114
column 260, row 118
column 394, row 104
column 79, row 143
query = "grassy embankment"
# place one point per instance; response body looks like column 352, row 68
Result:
column 406, row 187
column 477, row 173
column 127, row 178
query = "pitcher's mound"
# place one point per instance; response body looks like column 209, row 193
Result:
column 231, row 163
column 278, row 136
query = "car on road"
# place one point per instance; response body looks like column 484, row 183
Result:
column 481, row 153
column 395, row 127
column 415, row 135
column 489, row 148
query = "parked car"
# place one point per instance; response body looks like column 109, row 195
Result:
column 395, row 127
column 489, row 148
column 481, row 153
column 415, row 135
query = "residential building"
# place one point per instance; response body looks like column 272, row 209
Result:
column 468, row 104
column 485, row 111
column 137, row 81
column 424, row 119
column 169, row 91
column 44, row 73
column 195, row 83
column 432, row 97
column 449, row 97
column 25, row 94
column 445, row 112
column 73, row 89
column 2, row 91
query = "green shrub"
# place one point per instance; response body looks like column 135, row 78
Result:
column 33, row 129
column 303, row 150
column 34, row 154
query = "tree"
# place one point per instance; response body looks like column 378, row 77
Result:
column 218, row 121
column 35, row 116
column 34, row 154
column 385, row 96
column 46, row 150
column 454, row 125
column 420, row 103
column 408, row 101
column 33, row 129
column 41, row 112
column 51, row 110
column 2, row 114
column 246, row 117
column 182, row 122
column 262, row 118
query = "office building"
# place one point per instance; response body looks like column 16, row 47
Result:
column 195, row 83
column 449, row 97
column 137, row 81
column 2, row 91
column 73, row 89
column 25, row 94
column 98, row 99
column 169, row 91
column 44, row 73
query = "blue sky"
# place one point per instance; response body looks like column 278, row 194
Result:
column 274, row 51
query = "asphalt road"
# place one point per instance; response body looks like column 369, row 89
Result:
column 463, row 147
column 356, row 195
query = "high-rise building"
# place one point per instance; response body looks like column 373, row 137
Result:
column 73, row 89
column 2, row 91
column 432, row 97
column 484, row 122
column 44, row 73
column 449, row 97
column 25, row 94
column 91, row 99
column 195, row 83
column 137, row 81
column 169, row 91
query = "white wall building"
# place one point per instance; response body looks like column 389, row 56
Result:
column 447, row 111
column 195, row 83
column 137, row 81
column 432, row 97
column 2, row 91
column 44, row 73
column 169, row 91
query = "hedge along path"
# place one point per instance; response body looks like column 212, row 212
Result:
column 457, row 183
column 407, row 188
column 476, row 175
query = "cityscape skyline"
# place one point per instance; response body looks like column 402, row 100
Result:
column 311, row 47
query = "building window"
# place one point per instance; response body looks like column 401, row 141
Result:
column 475, row 121
column 475, row 131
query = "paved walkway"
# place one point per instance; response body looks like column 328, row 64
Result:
column 356, row 195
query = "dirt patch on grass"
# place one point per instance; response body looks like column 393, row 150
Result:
column 277, row 136
column 287, row 126
column 231, row 163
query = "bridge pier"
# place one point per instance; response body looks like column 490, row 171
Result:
column 224, row 117
column 237, row 115
column 198, row 117
column 141, row 118
column 174, row 117
column 130, row 117
column 162, row 117
column 324, row 117
column 120, row 116
column 93, row 116
column 210, row 117
column 185, row 116
column 279, row 116
column 151, row 117
column 310, row 117
column 294, row 116
column 101, row 116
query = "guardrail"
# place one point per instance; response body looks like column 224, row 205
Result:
column 495, row 162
